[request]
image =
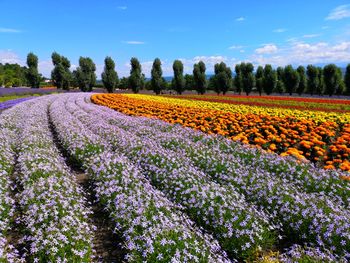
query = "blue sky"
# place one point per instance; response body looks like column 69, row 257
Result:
column 275, row 32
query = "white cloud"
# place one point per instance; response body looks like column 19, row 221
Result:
column 311, row 35
column 240, row 19
column 133, row 42
column 325, row 27
column 292, row 39
column 339, row 12
column 279, row 30
column 304, row 53
column 236, row 47
column 8, row 56
column 9, row 30
column 267, row 49
column 45, row 67
column 122, row 7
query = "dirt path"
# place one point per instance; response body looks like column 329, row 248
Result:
column 106, row 242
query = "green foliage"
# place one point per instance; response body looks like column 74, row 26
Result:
column 238, row 81
column 321, row 86
column 32, row 60
column 347, row 79
column 222, row 80
column 156, row 76
column 313, row 81
column 269, row 80
column 291, row 79
column 61, row 75
column 85, row 74
column 32, row 74
column 259, row 75
column 178, row 82
column 332, row 79
column 123, row 83
column 200, row 81
column 136, row 80
column 109, row 75
column 280, row 88
column 189, row 82
column 248, row 79
column 302, row 80
column 12, row 75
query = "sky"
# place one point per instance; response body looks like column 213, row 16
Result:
column 276, row 32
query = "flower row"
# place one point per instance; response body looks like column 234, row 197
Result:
column 302, row 138
column 153, row 228
column 312, row 217
column 9, row 103
column 276, row 102
column 8, row 253
column 55, row 219
column 312, row 211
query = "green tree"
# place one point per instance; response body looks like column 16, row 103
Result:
column 291, row 78
column 248, row 79
column 109, row 75
column 33, row 76
column 270, row 79
column 259, row 76
column 123, row 83
column 136, row 79
column 189, row 82
column 238, row 80
column 85, row 74
column 14, row 75
column 347, row 79
column 320, row 90
column 332, row 79
column 302, row 80
column 222, row 79
column 156, row 76
column 199, row 78
column 61, row 75
column 178, row 82
column 313, row 81
column 280, row 80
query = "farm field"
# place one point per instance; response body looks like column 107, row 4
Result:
column 171, row 180
column 320, row 137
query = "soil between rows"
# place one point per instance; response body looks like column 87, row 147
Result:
column 107, row 244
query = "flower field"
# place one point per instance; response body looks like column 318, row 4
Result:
column 172, row 193
column 317, row 136
column 328, row 105
column 8, row 102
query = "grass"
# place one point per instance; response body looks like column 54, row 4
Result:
column 13, row 97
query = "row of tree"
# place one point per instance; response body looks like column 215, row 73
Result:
column 12, row 75
column 313, row 80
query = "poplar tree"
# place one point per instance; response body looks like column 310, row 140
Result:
column 109, row 75
column 32, row 75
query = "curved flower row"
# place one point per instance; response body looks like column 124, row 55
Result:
column 317, row 116
column 55, row 219
column 152, row 227
column 297, row 99
column 309, row 217
column 7, row 203
column 216, row 154
column 10, row 103
column 302, row 138
column 238, row 226
column 275, row 102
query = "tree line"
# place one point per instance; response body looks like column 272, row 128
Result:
column 312, row 79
